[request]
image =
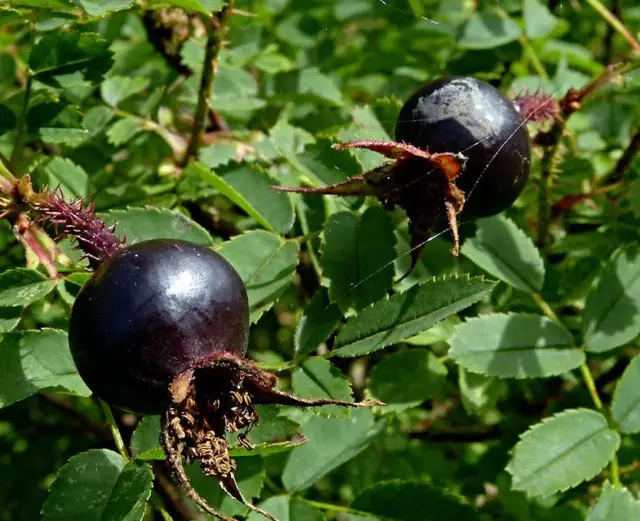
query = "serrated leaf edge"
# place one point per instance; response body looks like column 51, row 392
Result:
column 511, row 313
column 546, row 421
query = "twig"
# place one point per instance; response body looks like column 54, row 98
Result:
column 616, row 9
column 624, row 162
column 550, row 139
column 216, row 30
column 615, row 23
column 569, row 201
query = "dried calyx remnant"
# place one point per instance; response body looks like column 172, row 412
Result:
column 218, row 399
column 421, row 183
column 461, row 151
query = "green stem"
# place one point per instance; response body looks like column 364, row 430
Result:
column 615, row 23
column 544, row 306
column 591, row 386
column 115, row 431
column 16, row 154
column 216, row 30
column 159, row 506
column 330, row 507
column 615, row 472
column 533, row 58
column 595, row 397
column 308, row 237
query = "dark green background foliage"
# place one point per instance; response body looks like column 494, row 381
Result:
column 511, row 373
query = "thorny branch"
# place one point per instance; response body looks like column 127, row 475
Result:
column 551, row 139
column 216, row 27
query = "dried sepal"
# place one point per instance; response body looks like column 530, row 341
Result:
column 211, row 401
column 421, row 183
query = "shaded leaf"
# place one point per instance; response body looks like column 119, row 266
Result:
column 265, row 263
column 9, row 318
column 65, row 53
column 407, row 314
column 612, row 311
column 10, row 16
column 118, row 88
column 123, row 130
column 273, row 428
column 248, row 186
column 411, row 501
column 479, row 393
column 505, row 251
column 625, row 408
column 515, row 346
column 319, row 378
column 407, row 377
column 488, row 29
column 7, row 119
column 358, row 257
column 332, row 442
column 63, row 136
column 20, row 286
column 99, row 485
column 562, row 451
column 320, row 319
column 145, row 442
column 614, row 504
column 198, row 6
column 31, row 361
column 309, row 83
column 326, row 166
column 143, row 224
column 69, row 177
column 250, row 476
column 103, row 7
column 538, row 20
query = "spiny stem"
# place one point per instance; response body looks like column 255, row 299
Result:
column 551, row 141
column 16, row 154
column 615, row 23
column 115, row 431
column 216, row 30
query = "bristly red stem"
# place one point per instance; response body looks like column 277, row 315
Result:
column 72, row 218
column 536, row 107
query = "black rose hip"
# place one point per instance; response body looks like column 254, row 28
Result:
column 162, row 328
column 462, row 150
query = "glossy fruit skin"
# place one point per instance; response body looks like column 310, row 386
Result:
column 459, row 114
column 149, row 313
